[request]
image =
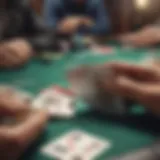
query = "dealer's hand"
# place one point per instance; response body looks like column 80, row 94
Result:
column 136, row 82
column 14, row 53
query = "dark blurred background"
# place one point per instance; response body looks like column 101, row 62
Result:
column 125, row 15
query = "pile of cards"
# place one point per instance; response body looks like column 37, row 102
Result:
column 59, row 102
column 86, row 84
column 76, row 145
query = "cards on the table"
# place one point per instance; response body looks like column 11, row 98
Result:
column 76, row 145
column 58, row 101
column 103, row 50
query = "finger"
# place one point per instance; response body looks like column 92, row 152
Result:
column 11, row 106
column 135, row 71
column 126, row 87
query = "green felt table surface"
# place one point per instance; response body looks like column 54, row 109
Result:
column 125, row 134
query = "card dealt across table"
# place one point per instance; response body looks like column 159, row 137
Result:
column 57, row 100
column 76, row 145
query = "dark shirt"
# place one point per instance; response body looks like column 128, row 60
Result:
column 18, row 20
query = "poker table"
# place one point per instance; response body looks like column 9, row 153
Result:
column 126, row 134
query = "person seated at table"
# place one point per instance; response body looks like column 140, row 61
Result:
column 17, row 137
column 21, row 33
column 82, row 16
column 138, row 83
column 145, row 37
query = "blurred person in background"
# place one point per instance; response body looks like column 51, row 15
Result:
column 82, row 16
column 21, row 33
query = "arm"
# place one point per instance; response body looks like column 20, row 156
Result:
column 14, row 140
column 100, row 18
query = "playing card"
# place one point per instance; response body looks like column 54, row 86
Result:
column 58, row 101
column 86, row 83
column 76, row 145
column 104, row 50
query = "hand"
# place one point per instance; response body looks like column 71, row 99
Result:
column 11, row 105
column 137, row 83
column 71, row 24
column 14, row 53
column 14, row 140
column 87, row 22
column 146, row 37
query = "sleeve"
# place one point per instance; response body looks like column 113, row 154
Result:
column 3, row 25
column 51, row 12
column 100, row 17
column 40, row 36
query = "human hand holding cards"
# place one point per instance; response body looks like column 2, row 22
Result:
column 20, row 125
column 87, row 83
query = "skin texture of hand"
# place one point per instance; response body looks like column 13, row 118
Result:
column 11, row 105
column 71, row 24
column 147, row 36
column 14, row 53
column 138, row 83
column 15, row 138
